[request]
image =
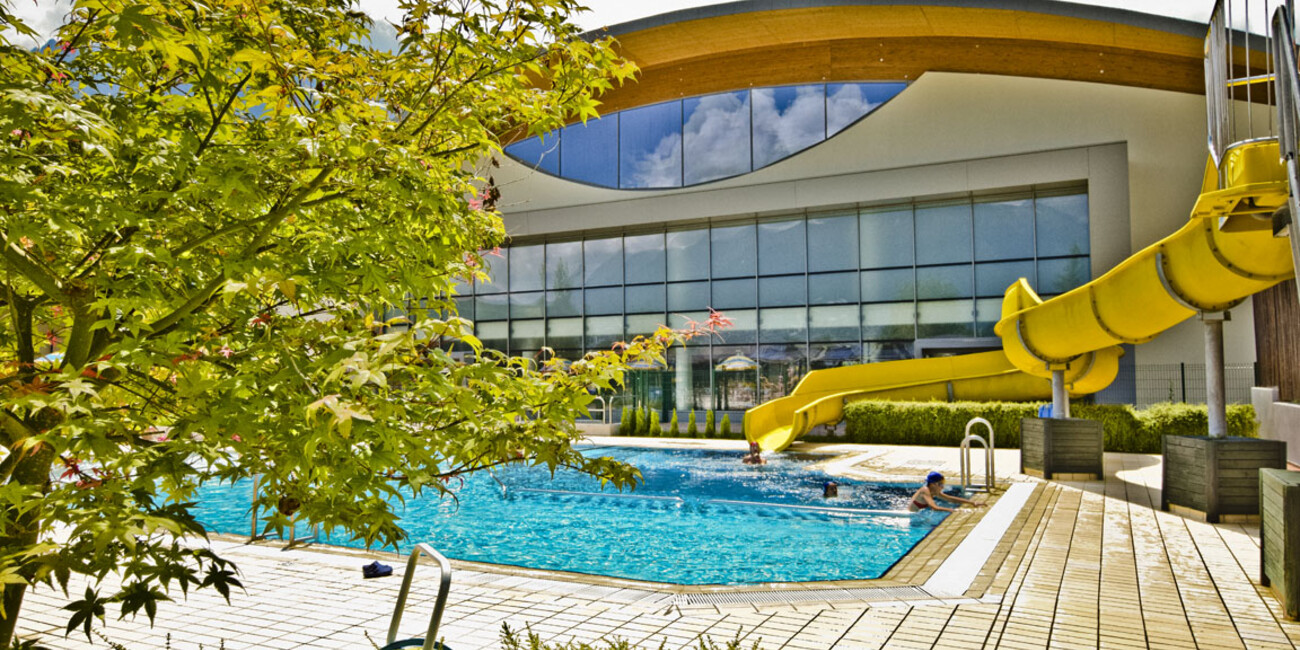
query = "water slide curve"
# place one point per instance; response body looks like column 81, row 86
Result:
column 1225, row 253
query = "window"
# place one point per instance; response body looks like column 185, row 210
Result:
column 735, row 252
column 564, row 265
column 602, row 262
column 688, row 255
column 645, row 258
column 786, row 120
column 943, row 234
column 887, row 238
column 833, row 242
column 781, row 247
column 589, row 152
column 1004, row 230
column 716, row 137
column 1062, row 225
column 650, row 146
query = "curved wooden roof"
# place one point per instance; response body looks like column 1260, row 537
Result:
column 773, row 42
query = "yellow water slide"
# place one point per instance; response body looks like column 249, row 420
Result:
column 1225, row 253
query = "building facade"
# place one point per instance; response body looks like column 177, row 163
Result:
column 850, row 182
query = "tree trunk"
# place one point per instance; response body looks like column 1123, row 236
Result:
column 23, row 533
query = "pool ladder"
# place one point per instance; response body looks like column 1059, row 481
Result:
column 966, row 467
column 429, row 642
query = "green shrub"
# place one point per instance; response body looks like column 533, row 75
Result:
column 656, row 429
column 943, row 424
column 709, row 429
column 691, row 430
column 726, row 426
column 673, row 427
column 642, row 422
column 626, row 423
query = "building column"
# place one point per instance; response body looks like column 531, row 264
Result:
column 1215, row 393
column 1060, row 397
column 682, row 380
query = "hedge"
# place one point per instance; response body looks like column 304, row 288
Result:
column 942, row 424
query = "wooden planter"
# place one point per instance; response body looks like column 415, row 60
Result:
column 1217, row 476
column 1052, row 448
column 1279, row 538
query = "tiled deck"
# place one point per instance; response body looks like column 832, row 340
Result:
column 1085, row 565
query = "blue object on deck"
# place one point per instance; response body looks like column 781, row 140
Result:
column 1045, row 411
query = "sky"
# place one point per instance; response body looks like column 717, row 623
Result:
column 45, row 15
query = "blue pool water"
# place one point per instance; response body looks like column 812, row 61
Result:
column 701, row 517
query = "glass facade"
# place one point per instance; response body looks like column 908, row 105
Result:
column 806, row 291
column 700, row 139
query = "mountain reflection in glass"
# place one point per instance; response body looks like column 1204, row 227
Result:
column 701, row 139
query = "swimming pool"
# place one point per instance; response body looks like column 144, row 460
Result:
column 701, row 517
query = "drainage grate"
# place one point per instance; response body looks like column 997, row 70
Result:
column 803, row 595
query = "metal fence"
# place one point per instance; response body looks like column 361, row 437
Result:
column 1181, row 382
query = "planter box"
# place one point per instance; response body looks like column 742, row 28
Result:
column 1217, row 476
column 1279, row 536
column 1050, row 448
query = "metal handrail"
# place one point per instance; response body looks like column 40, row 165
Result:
column 604, row 408
column 430, row 637
column 1288, row 103
column 966, row 468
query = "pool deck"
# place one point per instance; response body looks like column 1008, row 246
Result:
column 1090, row 564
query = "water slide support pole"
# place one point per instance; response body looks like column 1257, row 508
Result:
column 1060, row 398
column 1215, row 396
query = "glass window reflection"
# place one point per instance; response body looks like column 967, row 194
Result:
column 647, row 298
column 783, row 325
column 735, row 251
column 534, row 152
column 833, row 355
column 734, row 294
column 564, row 265
column 787, row 120
column 497, row 267
column 564, row 333
column 945, row 318
column 836, row 323
column 944, row 282
column 527, row 271
column 833, row 288
column 1062, row 225
column 602, row 261
column 604, row 301
column 786, row 291
column 744, row 326
column 688, row 255
column 527, row 335
column 993, row 279
column 887, row 238
column 716, row 136
column 645, row 258
column 589, row 152
column 1061, row 275
column 564, row 303
column 683, row 296
column 848, row 103
column 888, row 286
column 895, row 320
column 491, row 307
column 943, row 234
column 650, row 146
column 495, row 336
column 833, row 242
column 527, row 305
column 781, row 247
column 603, row 332
column 1004, row 230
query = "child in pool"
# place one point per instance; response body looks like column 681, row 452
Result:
column 925, row 496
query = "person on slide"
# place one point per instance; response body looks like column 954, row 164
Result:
column 924, row 497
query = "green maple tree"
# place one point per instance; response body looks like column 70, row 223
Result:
column 202, row 206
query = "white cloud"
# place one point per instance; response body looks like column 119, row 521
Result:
column 780, row 133
column 717, row 138
column 44, row 16
column 660, row 167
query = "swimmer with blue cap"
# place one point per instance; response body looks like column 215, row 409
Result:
column 925, row 496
